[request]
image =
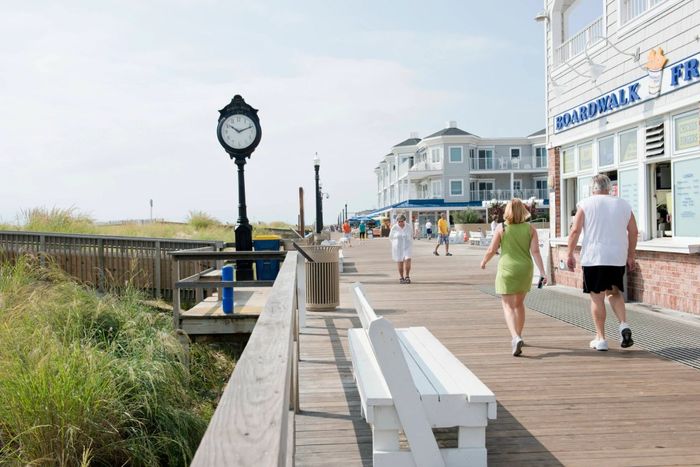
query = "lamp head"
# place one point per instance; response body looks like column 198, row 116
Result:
column 595, row 70
column 317, row 160
column 542, row 16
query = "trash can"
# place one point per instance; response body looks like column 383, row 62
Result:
column 322, row 278
column 267, row 269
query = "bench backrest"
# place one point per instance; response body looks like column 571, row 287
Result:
column 475, row 235
column 364, row 309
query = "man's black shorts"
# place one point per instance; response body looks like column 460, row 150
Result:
column 601, row 278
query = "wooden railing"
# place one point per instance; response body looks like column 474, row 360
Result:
column 253, row 425
column 105, row 261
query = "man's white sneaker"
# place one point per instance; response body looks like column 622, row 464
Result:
column 599, row 344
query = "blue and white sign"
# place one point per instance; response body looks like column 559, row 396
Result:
column 651, row 86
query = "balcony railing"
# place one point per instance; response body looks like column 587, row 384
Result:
column 508, row 163
column 506, row 195
column 426, row 166
column 577, row 43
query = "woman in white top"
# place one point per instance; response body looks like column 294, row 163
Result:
column 401, row 244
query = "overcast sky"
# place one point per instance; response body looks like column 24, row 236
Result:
column 105, row 105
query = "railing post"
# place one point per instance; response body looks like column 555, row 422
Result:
column 101, row 264
column 42, row 250
column 176, row 292
column 157, row 270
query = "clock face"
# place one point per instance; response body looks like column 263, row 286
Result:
column 238, row 131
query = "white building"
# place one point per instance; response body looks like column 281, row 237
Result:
column 453, row 169
column 622, row 100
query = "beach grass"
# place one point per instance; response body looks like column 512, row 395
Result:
column 199, row 225
column 88, row 379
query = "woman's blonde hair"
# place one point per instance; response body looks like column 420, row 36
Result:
column 516, row 212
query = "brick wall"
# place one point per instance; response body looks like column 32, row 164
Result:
column 554, row 184
column 667, row 280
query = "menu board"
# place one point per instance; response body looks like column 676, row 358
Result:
column 686, row 198
column 628, row 181
column 687, row 131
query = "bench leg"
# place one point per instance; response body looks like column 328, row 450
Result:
column 385, row 440
column 471, row 437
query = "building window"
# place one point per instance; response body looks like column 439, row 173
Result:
column 628, row 188
column 436, row 186
column 481, row 190
column 606, row 151
column 456, row 188
column 435, row 155
column 628, row 146
column 686, row 130
column 456, row 155
column 568, row 161
column 471, row 153
column 631, row 9
column 541, row 187
column 585, row 156
column 514, row 153
column 540, row 157
column 485, row 160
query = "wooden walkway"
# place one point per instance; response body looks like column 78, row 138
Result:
column 558, row 404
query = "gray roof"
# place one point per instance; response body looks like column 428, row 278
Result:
column 408, row 142
column 450, row 132
column 542, row 132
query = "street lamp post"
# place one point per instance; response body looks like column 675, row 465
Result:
column 319, row 199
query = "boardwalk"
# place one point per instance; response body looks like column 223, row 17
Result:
column 560, row 404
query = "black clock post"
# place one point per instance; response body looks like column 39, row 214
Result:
column 239, row 133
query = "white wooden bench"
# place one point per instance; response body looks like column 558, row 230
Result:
column 475, row 238
column 408, row 381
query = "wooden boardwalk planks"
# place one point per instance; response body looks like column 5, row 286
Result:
column 559, row 404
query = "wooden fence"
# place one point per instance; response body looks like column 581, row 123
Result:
column 105, row 261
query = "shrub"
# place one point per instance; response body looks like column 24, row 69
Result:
column 468, row 216
column 200, row 220
column 56, row 220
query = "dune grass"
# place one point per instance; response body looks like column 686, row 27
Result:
column 96, row 380
column 199, row 226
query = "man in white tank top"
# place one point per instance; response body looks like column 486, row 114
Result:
column 608, row 246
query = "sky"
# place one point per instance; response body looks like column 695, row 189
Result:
column 106, row 105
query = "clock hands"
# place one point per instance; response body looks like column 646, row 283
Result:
column 242, row 130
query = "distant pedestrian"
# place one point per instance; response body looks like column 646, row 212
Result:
column 401, row 246
column 494, row 224
column 416, row 229
column 443, row 236
column 347, row 233
column 518, row 241
column 363, row 230
column 608, row 246
column 429, row 230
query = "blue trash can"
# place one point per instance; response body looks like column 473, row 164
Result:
column 267, row 269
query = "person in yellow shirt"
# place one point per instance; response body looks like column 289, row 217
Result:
column 443, row 236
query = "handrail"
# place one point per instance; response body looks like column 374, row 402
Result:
column 109, row 237
column 250, row 426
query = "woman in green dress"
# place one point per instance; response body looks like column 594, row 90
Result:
column 519, row 244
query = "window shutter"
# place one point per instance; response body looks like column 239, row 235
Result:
column 655, row 140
